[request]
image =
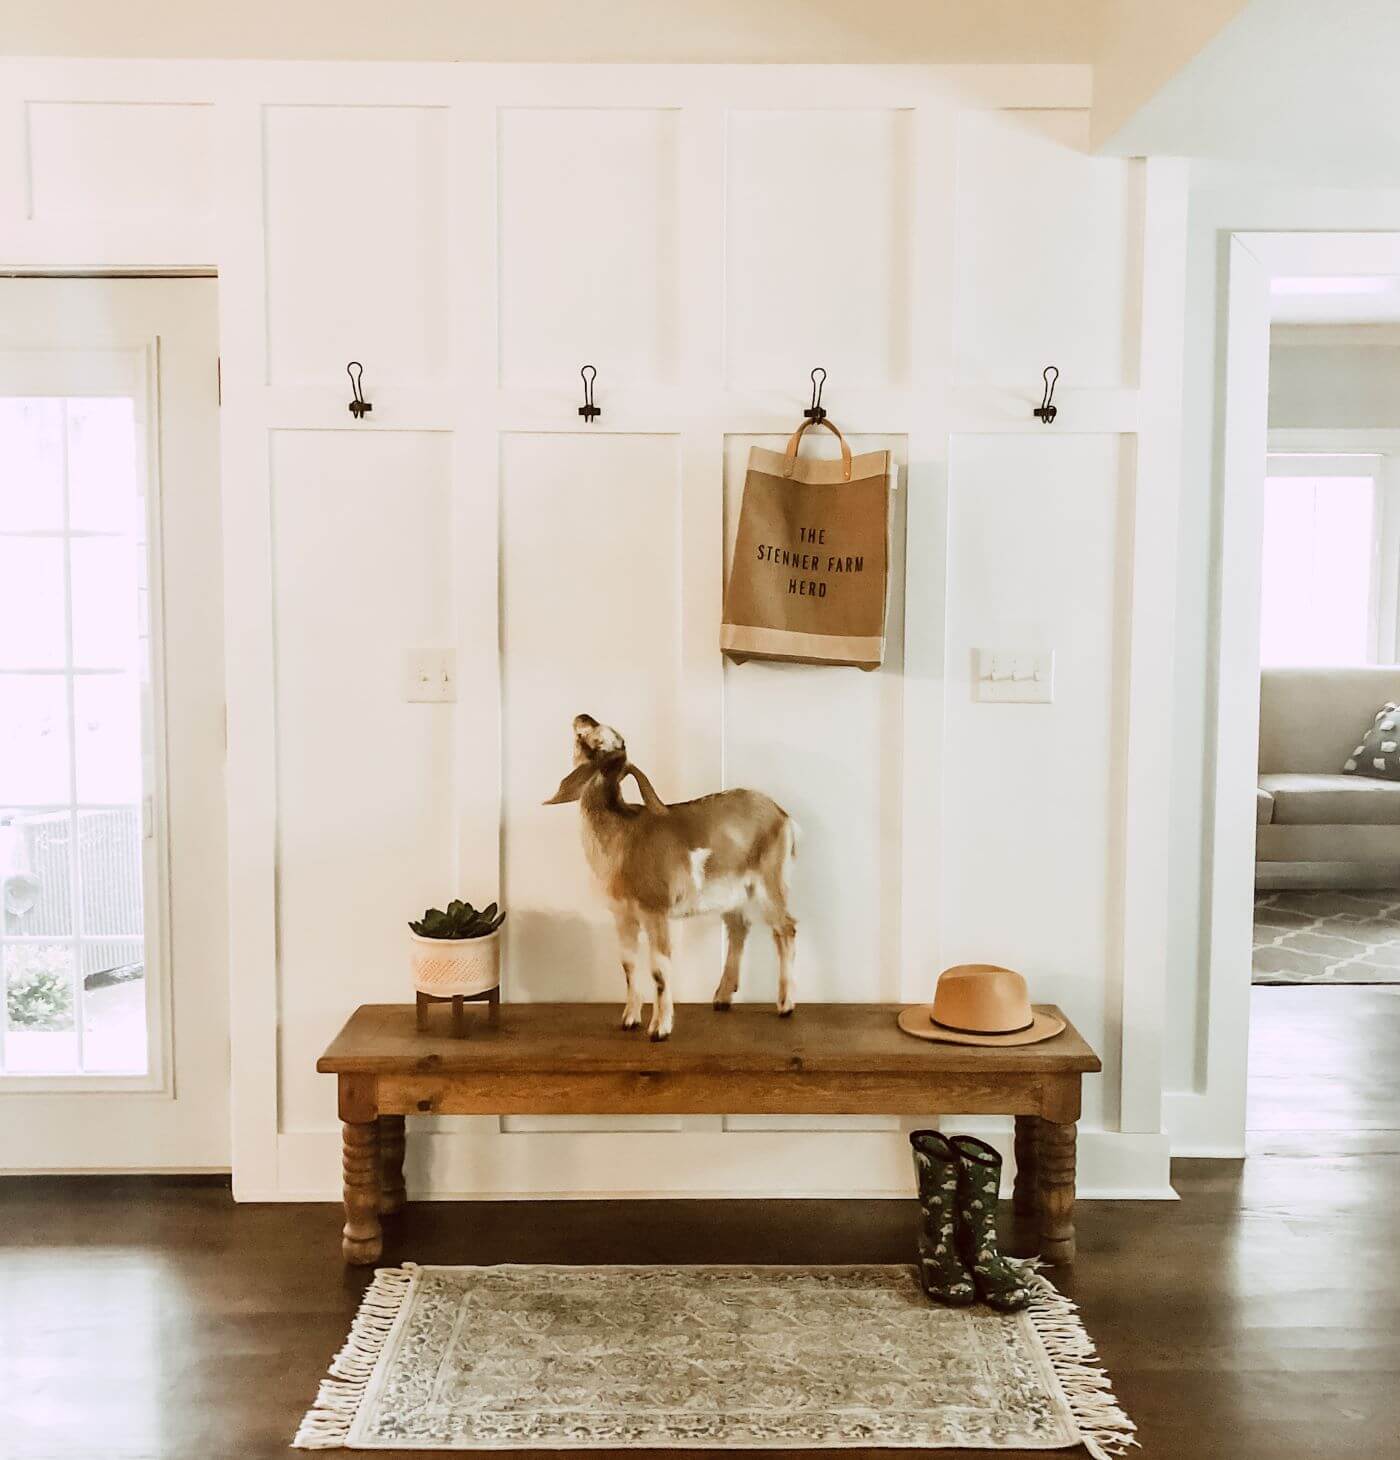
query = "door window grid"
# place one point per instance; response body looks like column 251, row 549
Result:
column 72, row 951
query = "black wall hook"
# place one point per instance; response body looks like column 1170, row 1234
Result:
column 814, row 412
column 1047, row 410
column 588, row 410
column 359, row 405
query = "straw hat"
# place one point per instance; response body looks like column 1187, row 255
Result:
column 979, row 1003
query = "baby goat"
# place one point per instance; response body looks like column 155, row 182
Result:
column 726, row 853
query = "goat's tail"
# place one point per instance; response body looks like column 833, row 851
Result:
column 791, row 833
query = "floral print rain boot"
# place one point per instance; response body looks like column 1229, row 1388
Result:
column 943, row 1274
column 1000, row 1283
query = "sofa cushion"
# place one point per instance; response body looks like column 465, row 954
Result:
column 1264, row 807
column 1305, row 799
column 1379, row 751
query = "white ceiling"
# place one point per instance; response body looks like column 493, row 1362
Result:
column 1293, row 83
column 868, row 31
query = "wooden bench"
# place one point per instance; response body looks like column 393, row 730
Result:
column 574, row 1059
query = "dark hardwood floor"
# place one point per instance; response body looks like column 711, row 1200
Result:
column 1257, row 1319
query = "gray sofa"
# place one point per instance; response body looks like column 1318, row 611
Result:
column 1318, row 827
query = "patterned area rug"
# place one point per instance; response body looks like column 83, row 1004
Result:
column 565, row 1358
column 1327, row 937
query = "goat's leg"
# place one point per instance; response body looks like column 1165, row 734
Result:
column 773, row 899
column 736, row 931
column 629, row 936
column 658, row 930
column 785, row 936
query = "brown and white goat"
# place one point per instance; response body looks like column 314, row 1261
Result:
column 727, row 853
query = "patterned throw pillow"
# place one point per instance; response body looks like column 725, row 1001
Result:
column 1379, row 753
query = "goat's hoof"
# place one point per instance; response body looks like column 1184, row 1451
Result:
column 630, row 1024
column 657, row 1036
column 787, row 1013
column 723, row 1006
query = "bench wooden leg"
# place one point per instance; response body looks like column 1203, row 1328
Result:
column 1055, row 1159
column 362, row 1238
column 391, row 1149
column 1026, row 1192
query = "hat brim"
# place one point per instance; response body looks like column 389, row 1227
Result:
column 917, row 1020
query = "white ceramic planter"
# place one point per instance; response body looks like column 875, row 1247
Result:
column 445, row 967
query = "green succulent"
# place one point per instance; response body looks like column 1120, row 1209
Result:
column 461, row 920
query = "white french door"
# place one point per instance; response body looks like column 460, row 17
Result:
column 113, row 1021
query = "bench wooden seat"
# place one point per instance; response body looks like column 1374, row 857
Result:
column 575, row 1059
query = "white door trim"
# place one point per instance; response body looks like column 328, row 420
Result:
column 1210, row 1118
column 175, row 1118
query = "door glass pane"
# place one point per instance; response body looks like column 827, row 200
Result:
column 109, row 869
column 1319, row 548
column 31, row 452
column 114, row 1006
column 31, row 603
column 34, row 769
column 106, row 603
column 107, row 718
column 73, row 740
column 41, row 1036
column 36, row 867
column 103, row 494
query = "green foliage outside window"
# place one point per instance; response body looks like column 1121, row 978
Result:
column 38, row 987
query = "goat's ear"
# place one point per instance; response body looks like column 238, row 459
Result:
column 571, row 787
column 653, row 801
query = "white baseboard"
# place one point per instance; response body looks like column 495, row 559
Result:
column 1193, row 1124
column 483, row 1165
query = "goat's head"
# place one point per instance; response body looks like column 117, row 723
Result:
column 598, row 751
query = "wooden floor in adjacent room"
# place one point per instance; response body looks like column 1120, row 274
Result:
column 1258, row 1319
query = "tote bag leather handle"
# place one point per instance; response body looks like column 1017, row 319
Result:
column 796, row 439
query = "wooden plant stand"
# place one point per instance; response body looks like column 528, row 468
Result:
column 491, row 997
column 828, row 1059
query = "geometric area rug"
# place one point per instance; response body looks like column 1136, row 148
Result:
column 1326, row 936
column 575, row 1358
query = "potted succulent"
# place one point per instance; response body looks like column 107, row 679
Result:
column 457, row 951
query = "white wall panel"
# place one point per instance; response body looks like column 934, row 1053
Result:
column 705, row 236
column 1048, row 253
column 818, row 245
column 119, row 160
column 591, row 621
column 825, row 743
column 1039, row 536
column 356, row 202
column 365, row 813
column 588, row 245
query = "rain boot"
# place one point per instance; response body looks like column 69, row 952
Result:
column 1000, row 1283
column 943, row 1274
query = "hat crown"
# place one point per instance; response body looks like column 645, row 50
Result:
column 982, row 998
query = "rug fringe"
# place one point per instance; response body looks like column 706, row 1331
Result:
column 1105, row 1429
column 326, row 1425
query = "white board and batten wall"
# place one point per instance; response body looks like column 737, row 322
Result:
column 704, row 236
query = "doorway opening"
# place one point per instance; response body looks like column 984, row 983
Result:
column 1306, row 846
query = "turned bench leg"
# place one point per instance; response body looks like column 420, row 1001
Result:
column 1055, row 1155
column 391, row 1149
column 1026, row 1192
column 362, row 1238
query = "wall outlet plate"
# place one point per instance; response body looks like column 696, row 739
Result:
column 430, row 676
column 1015, row 676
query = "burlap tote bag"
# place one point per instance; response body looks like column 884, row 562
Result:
column 811, row 568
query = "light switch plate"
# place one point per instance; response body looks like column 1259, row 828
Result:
column 430, row 676
column 1016, row 676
